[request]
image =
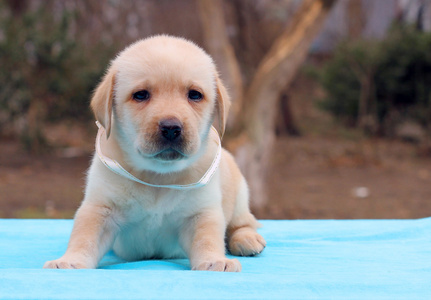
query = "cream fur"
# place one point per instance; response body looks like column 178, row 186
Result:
column 141, row 222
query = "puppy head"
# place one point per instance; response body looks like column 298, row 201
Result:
column 161, row 95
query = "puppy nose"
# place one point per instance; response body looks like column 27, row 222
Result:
column 170, row 128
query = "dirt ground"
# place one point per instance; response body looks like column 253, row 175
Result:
column 312, row 177
column 332, row 179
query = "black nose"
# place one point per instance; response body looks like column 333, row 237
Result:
column 170, row 128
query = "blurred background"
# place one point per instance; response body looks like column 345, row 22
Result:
column 331, row 114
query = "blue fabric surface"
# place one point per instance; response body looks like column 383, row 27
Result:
column 359, row 259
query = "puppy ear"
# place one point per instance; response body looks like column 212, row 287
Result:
column 222, row 106
column 101, row 103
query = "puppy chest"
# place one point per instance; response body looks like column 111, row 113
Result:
column 154, row 236
column 136, row 201
column 150, row 225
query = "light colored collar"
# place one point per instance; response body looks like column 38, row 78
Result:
column 115, row 167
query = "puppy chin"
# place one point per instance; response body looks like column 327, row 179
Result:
column 166, row 161
column 163, row 165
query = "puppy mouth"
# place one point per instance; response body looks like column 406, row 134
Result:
column 169, row 155
column 165, row 155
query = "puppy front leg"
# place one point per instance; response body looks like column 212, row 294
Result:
column 92, row 236
column 203, row 241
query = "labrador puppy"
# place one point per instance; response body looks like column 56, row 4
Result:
column 157, row 103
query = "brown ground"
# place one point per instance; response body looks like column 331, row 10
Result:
column 312, row 177
column 46, row 185
column 320, row 177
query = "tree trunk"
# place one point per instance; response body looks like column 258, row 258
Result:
column 32, row 136
column 286, row 122
column 356, row 19
column 276, row 70
column 218, row 45
column 363, row 103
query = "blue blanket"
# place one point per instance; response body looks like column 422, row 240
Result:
column 362, row 259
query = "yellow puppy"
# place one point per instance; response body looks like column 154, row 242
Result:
column 156, row 104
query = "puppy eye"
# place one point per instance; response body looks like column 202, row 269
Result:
column 195, row 95
column 141, row 95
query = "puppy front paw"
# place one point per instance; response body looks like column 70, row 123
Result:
column 219, row 265
column 66, row 263
column 246, row 242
